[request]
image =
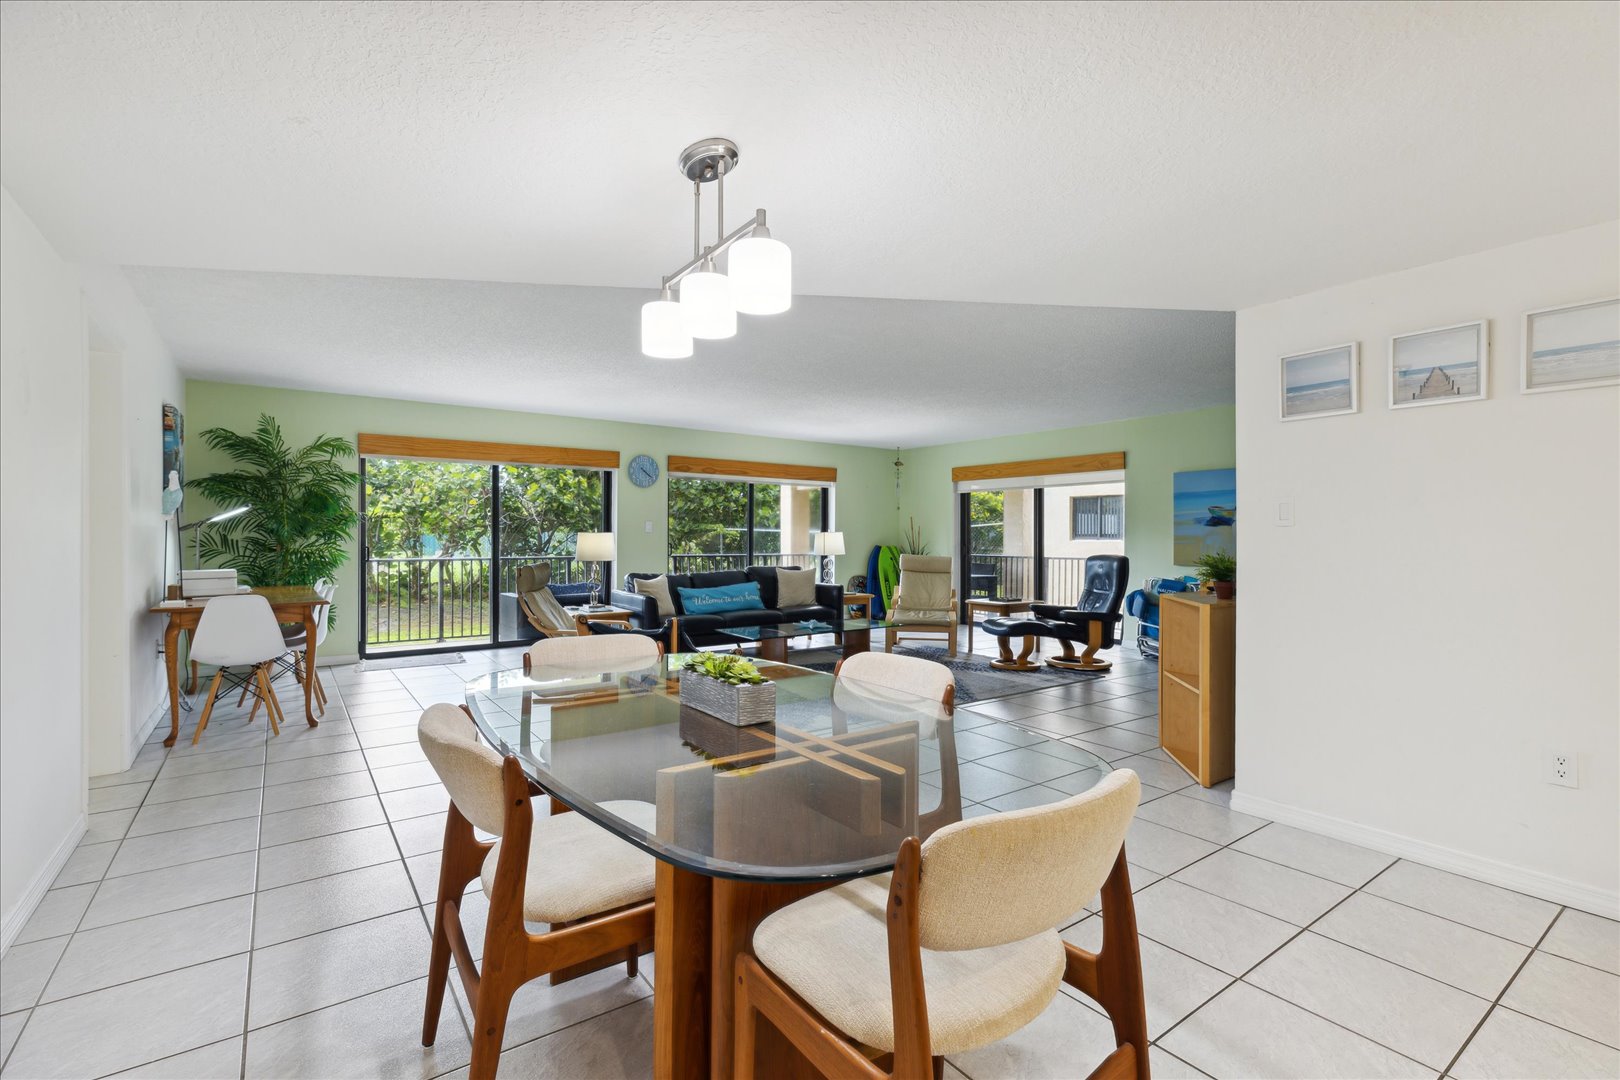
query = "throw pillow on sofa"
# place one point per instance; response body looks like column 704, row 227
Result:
column 658, row 589
column 795, row 588
column 719, row 599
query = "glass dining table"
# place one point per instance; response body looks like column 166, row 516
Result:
column 750, row 819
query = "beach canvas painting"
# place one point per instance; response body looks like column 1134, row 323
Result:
column 1438, row 367
column 1571, row 347
column 1321, row 383
column 1204, row 508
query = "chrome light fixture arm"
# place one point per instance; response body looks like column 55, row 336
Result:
column 696, row 261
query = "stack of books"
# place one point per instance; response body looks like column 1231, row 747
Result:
column 207, row 582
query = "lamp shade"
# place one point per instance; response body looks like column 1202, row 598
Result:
column 829, row 543
column 594, row 547
column 706, row 305
column 663, row 331
column 761, row 272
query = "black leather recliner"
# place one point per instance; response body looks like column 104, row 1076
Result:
column 1094, row 621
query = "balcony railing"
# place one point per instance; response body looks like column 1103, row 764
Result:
column 1008, row 576
column 430, row 601
column 703, row 564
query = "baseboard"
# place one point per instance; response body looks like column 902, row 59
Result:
column 1493, row 871
column 159, row 714
column 323, row 660
column 18, row 916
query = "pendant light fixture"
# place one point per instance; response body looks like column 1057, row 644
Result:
column 760, row 277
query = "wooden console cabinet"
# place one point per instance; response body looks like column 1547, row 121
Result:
column 1196, row 701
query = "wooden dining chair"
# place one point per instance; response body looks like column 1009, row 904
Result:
column 959, row 947
column 924, row 679
column 593, row 890
column 616, row 649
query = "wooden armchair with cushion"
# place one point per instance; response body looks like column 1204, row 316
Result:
column 539, row 606
column 959, row 947
column 924, row 601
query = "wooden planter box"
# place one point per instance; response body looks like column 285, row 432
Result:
column 736, row 705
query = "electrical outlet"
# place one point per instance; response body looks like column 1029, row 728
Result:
column 1560, row 767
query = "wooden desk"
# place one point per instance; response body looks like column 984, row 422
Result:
column 291, row 603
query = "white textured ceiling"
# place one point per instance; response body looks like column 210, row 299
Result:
column 862, row 372
column 1190, row 155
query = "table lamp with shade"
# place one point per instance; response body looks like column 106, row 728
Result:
column 598, row 548
column 828, row 544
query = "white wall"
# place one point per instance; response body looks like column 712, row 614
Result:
column 1445, row 610
column 42, row 501
column 127, row 460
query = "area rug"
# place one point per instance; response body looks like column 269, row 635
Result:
column 976, row 680
column 386, row 663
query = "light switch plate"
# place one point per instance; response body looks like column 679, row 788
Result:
column 1285, row 513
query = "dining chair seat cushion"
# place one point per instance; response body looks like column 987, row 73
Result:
column 831, row 948
column 578, row 869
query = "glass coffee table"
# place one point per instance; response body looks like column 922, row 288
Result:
column 854, row 635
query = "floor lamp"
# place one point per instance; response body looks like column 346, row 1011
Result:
column 828, row 544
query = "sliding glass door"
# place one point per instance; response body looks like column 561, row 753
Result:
column 442, row 541
column 732, row 524
column 1033, row 542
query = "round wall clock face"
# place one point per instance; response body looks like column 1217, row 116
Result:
column 643, row 471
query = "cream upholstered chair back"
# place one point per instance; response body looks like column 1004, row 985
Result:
column 1005, row 877
column 470, row 770
column 908, row 674
column 615, row 650
column 534, row 587
column 925, row 588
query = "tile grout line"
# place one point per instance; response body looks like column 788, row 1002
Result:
column 253, row 928
column 410, row 879
column 1452, row 1064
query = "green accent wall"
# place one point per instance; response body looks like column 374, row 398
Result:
column 1155, row 448
column 864, row 503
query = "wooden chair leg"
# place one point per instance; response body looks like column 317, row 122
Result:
column 272, row 707
column 438, row 976
column 489, row 1023
column 208, row 706
column 745, row 1027
column 243, row 699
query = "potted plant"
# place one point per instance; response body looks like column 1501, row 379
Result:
column 300, row 506
column 729, row 687
column 1218, row 570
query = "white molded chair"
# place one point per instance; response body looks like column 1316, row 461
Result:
column 239, row 631
column 959, row 947
column 294, row 639
column 593, row 889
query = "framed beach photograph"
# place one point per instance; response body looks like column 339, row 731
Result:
column 1440, row 366
column 1326, row 382
column 1571, row 347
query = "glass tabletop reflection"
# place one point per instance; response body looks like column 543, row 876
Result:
column 846, row 772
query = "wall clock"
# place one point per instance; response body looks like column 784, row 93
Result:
column 643, row 471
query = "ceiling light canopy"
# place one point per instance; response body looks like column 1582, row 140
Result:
column 759, row 278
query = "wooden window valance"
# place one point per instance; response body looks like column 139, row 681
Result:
column 410, row 446
column 1007, row 470
column 752, row 470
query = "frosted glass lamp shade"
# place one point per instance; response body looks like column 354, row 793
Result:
column 706, row 305
column 829, row 543
column 761, row 272
column 594, row 547
column 663, row 331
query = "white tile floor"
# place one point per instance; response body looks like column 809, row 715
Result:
column 260, row 907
